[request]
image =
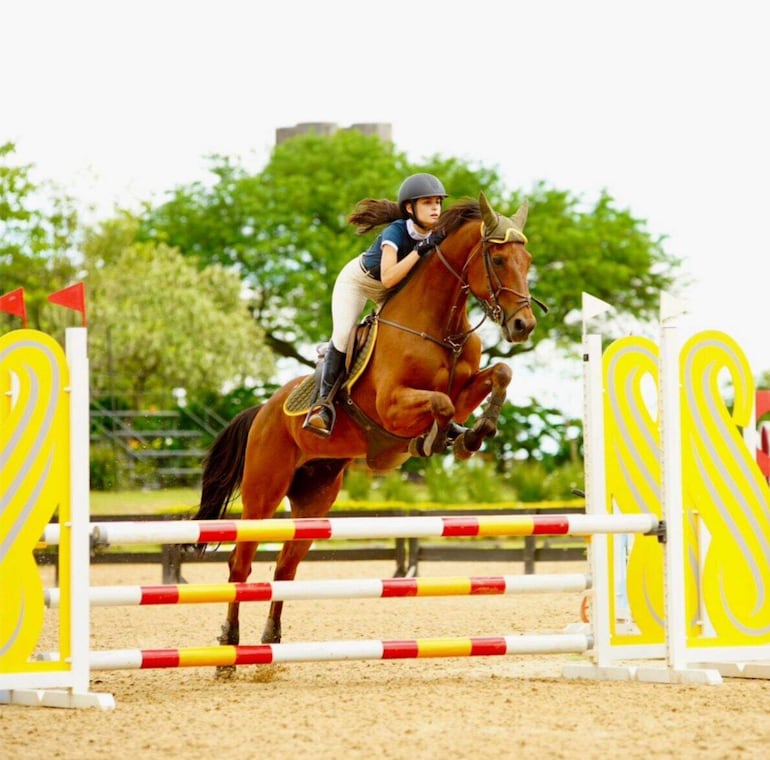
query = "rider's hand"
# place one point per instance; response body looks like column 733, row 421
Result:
column 429, row 243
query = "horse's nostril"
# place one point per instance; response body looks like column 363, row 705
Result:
column 524, row 326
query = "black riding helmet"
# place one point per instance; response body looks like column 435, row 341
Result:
column 419, row 186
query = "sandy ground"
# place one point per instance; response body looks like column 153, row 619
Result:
column 485, row 707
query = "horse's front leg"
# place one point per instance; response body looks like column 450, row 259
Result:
column 409, row 404
column 492, row 382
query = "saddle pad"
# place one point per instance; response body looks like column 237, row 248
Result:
column 302, row 396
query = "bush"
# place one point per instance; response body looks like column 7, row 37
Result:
column 560, row 483
column 440, row 482
column 482, row 483
column 397, row 487
column 357, row 483
column 528, row 479
column 104, row 470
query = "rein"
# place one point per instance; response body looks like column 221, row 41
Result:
column 493, row 310
column 453, row 343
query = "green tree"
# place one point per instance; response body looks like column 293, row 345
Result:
column 38, row 228
column 285, row 230
column 534, row 432
column 157, row 322
column 596, row 248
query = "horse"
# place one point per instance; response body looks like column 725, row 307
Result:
column 421, row 379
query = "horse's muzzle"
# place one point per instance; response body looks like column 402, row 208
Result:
column 518, row 327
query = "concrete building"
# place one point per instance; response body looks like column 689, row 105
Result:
column 327, row 128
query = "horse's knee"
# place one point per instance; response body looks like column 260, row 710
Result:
column 442, row 409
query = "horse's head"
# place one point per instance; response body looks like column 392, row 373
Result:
column 497, row 271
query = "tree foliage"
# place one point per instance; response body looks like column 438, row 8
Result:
column 38, row 227
column 158, row 322
column 597, row 248
column 166, row 288
column 284, row 231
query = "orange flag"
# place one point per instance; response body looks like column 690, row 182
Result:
column 73, row 297
column 13, row 303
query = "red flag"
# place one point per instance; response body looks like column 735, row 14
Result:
column 73, row 297
column 762, row 404
column 13, row 303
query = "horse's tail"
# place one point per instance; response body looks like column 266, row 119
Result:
column 223, row 466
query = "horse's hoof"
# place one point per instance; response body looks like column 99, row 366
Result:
column 272, row 633
column 230, row 634
column 454, row 431
column 460, row 451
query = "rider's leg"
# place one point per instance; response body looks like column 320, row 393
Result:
column 351, row 291
column 320, row 419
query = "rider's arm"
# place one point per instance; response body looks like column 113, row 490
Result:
column 392, row 271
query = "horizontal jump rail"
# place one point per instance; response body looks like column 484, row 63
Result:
column 320, row 651
column 102, row 596
column 313, row 529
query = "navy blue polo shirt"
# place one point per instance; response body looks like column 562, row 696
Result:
column 395, row 233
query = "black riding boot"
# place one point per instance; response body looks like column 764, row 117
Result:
column 320, row 418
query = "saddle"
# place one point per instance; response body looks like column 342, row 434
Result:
column 384, row 449
column 360, row 349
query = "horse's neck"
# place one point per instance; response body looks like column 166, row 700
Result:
column 434, row 296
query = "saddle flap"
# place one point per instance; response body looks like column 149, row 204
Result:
column 360, row 349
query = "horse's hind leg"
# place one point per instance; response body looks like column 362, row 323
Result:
column 312, row 494
column 263, row 486
column 240, row 561
column 292, row 553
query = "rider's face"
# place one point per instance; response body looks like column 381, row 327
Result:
column 427, row 212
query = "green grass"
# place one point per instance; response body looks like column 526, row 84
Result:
column 185, row 501
column 144, row 502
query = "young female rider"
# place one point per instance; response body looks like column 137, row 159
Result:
column 375, row 272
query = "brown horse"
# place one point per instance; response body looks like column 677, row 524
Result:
column 423, row 374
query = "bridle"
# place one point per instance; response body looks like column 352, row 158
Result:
column 493, row 309
column 490, row 305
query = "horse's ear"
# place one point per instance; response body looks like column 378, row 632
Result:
column 488, row 216
column 519, row 219
column 501, row 229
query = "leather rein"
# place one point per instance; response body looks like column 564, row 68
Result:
column 455, row 343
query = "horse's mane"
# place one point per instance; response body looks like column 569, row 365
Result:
column 465, row 210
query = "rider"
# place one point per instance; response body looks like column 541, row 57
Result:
column 372, row 274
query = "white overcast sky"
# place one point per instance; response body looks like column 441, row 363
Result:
column 663, row 103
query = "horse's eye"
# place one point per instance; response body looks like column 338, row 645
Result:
column 498, row 261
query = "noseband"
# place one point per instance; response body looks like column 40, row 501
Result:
column 456, row 342
column 491, row 305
